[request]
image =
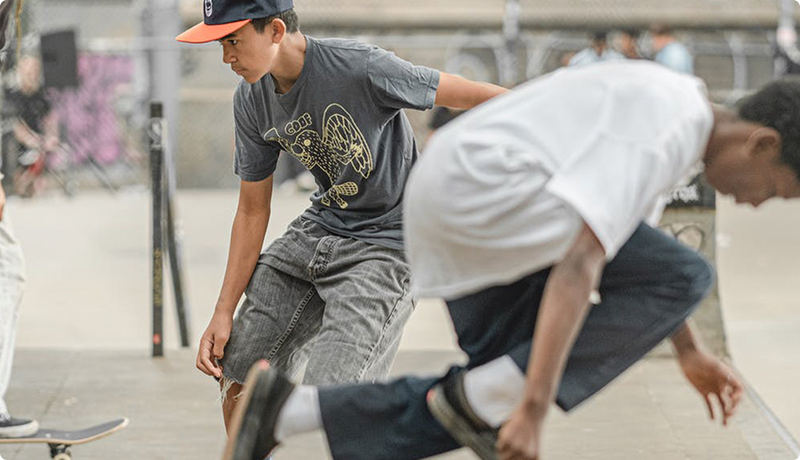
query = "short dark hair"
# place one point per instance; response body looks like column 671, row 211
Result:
column 598, row 35
column 777, row 105
column 631, row 32
column 289, row 17
column 660, row 30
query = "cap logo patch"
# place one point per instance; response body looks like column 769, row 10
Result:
column 209, row 7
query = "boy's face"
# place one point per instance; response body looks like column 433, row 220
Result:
column 753, row 173
column 249, row 53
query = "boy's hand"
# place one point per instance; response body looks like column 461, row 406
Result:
column 714, row 380
column 520, row 436
column 212, row 344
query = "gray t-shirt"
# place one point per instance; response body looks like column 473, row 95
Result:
column 343, row 120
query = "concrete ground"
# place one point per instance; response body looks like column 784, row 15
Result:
column 649, row 413
column 84, row 338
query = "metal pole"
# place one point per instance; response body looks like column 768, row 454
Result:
column 162, row 23
column 787, row 13
column 509, row 71
column 156, row 132
column 174, row 252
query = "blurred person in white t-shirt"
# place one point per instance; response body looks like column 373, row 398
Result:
column 526, row 214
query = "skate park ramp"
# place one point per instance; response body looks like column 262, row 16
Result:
column 758, row 259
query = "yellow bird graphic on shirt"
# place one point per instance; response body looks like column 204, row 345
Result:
column 341, row 144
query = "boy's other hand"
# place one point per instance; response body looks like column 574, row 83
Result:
column 521, row 436
column 716, row 382
column 212, row 344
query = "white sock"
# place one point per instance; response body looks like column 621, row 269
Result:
column 300, row 413
column 495, row 389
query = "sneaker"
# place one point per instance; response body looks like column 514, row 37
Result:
column 448, row 404
column 11, row 427
column 252, row 434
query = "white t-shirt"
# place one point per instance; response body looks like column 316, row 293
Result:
column 503, row 190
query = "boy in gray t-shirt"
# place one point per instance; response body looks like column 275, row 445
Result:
column 333, row 291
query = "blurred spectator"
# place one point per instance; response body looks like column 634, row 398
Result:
column 628, row 43
column 597, row 51
column 669, row 51
column 34, row 125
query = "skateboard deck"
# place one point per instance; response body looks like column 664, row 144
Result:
column 60, row 440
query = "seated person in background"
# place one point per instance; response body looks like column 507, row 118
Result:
column 34, row 124
column 627, row 43
column 669, row 51
column 597, row 51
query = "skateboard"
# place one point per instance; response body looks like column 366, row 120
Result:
column 61, row 440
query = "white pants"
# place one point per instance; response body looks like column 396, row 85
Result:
column 12, row 281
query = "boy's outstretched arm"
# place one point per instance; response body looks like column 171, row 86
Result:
column 459, row 93
column 564, row 307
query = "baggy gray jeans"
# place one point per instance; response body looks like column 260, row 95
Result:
column 334, row 303
column 12, row 281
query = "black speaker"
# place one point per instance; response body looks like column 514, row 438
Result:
column 60, row 60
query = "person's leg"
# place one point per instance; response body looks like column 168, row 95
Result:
column 647, row 291
column 280, row 315
column 365, row 288
column 12, row 282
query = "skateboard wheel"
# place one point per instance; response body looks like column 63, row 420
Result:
column 63, row 456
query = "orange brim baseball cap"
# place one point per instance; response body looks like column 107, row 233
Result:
column 224, row 17
column 204, row 33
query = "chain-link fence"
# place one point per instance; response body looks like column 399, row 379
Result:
column 126, row 56
column 71, row 115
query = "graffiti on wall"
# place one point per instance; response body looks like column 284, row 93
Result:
column 91, row 122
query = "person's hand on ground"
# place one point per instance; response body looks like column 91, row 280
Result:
column 715, row 381
column 520, row 436
column 212, row 344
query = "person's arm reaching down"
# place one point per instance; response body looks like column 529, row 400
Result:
column 564, row 307
column 247, row 237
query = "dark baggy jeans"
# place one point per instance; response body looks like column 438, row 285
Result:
column 648, row 290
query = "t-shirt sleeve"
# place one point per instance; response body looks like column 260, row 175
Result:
column 615, row 183
column 254, row 158
column 398, row 84
column 612, row 188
